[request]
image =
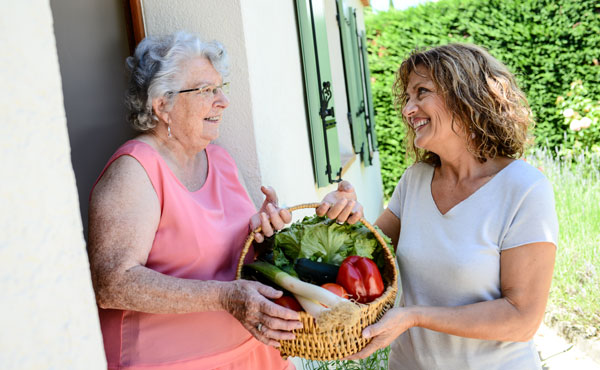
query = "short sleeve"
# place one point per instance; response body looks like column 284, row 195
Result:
column 535, row 218
column 396, row 203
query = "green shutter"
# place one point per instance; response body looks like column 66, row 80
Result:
column 368, row 94
column 319, row 95
column 354, row 81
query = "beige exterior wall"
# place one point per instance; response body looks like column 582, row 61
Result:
column 47, row 312
column 222, row 21
column 265, row 126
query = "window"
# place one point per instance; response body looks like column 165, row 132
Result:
column 323, row 123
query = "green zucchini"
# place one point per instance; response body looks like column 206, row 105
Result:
column 317, row 273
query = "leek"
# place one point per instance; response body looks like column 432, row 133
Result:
column 338, row 311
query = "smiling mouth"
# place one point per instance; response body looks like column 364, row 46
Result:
column 214, row 119
column 421, row 123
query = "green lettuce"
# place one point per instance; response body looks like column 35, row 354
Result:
column 323, row 240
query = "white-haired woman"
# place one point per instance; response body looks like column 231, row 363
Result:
column 168, row 218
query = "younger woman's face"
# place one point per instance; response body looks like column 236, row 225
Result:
column 428, row 115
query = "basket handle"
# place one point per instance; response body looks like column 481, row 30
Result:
column 250, row 238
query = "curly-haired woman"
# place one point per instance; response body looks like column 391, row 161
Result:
column 475, row 228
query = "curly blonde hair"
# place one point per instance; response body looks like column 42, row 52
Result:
column 481, row 94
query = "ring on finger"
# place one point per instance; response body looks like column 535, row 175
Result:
column 259, row 327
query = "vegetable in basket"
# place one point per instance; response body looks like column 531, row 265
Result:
column 361, row 278
column 321, row 239
column 318, row 273
column 288, row 302
column 339, row 311
column 336, row 289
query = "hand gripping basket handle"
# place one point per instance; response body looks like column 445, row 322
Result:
column 250, row 238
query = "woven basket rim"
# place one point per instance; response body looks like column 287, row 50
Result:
column 367, row 224
column 379, row 304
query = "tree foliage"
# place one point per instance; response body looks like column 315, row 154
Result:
column 547, row 44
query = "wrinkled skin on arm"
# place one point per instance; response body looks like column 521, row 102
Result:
column 124, row 216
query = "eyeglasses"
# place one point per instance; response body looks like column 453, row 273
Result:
column 208, row 91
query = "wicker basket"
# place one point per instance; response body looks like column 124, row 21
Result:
column 340, row 342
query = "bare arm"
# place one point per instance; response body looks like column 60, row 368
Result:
column 525, row 277
column 124, row 216
column 389, row 223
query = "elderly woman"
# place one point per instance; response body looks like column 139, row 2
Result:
column 168, row 219
column 475, row 228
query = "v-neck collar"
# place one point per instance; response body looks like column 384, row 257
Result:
column 164, row 162
column 474, row 194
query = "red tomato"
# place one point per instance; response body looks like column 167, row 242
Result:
column 336, row 289
column 289, row 302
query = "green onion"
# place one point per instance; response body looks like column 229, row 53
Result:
column 338, row 312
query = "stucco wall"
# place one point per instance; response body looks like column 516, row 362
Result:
column 265, row 126
column 47, row 310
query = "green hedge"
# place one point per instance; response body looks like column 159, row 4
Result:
column 545, row 43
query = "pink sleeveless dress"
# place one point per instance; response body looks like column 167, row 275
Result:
column 200, row 236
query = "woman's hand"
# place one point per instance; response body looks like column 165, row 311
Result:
column 341, row 205
column 395, row 322
column 270, row 217
column 248, row 301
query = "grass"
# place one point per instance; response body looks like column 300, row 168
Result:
column 377, row 360
column 574, row 303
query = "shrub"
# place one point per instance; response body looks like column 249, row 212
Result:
column 546, row 44
column 581, row 114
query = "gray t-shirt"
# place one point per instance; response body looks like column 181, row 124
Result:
column 454, row 260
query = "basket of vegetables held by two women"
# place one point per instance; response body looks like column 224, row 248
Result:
column 340, row 277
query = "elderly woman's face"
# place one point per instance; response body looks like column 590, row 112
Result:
column 427, row 113
column 196, row 115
